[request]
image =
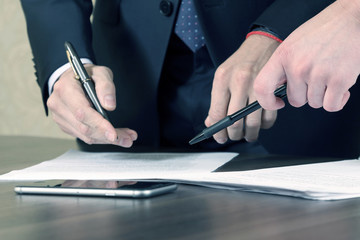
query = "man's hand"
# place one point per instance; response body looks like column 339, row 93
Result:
column 233, row 90
column 95, row 183
column 74, row 114
column 320, row 61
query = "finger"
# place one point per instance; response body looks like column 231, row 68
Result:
column 67, row 121
column 271, row 76
column 297, row 88
column 345, row 99
column 237, row 102
column 126, row 137
column 316, row 93
column 105, row 88
column 236, row 131
column 100, row 129
column 87, row 123
column 268, row 119
column 252, row 125
column 78, row 132
column 220, row 97
column 335, row 100
column 72, row 118
column 220, row 137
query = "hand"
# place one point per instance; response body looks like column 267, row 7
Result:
column 320, row 61
column 233, row 90
column 74, row 114
column 95, row 184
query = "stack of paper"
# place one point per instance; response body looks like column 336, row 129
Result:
column 322, row 181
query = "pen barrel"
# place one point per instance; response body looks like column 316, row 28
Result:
column 225, row 122
column 244, row 112
column 229, row 120
column 281, row 91
column 89, row 87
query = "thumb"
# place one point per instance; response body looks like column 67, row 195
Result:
column 271, row 76
column 104, row 85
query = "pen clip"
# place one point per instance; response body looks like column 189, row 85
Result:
column 77, row 77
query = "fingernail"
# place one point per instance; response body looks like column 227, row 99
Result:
column 125, row 142
column 221, row 140
column 133, row 136
column 110, row 101
column 109, row 136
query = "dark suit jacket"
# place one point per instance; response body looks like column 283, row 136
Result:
column 131, row 37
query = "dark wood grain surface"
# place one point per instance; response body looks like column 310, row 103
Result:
column 189, row 213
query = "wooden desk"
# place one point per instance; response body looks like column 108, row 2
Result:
column 189, row 213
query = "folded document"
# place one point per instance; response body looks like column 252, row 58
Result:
column 321, row 181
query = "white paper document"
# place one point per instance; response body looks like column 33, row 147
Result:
column 77, row 165
column 319, row 181
column 322, row 181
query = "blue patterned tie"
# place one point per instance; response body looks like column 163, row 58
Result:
column 187, row 26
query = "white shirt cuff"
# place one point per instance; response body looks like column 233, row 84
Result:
column 55, row 76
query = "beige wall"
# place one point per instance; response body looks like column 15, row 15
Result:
column 21, row 109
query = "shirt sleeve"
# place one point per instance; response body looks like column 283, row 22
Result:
column 284, row 16
column 58, row 72
column 264, row 31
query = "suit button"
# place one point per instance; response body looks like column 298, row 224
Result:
column 166, row 8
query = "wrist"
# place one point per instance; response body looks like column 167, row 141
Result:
column 58, row 72
column 264, row 31
column 352, row 7
column 266, row 34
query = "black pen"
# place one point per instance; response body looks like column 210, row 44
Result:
column 83, row 77
column 231, row 119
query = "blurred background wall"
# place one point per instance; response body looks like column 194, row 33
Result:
column 21, row 108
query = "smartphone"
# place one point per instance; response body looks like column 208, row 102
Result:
column 137, row 190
